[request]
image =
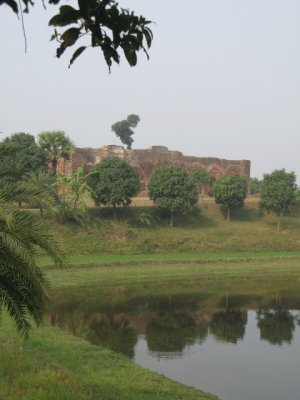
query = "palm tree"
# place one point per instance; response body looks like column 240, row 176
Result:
column 22, row 282
column 46, row 184
column 57, row 145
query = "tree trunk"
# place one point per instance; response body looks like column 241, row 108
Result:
column 172, row 219
column 228, row 214
column 278, row 221
column 54, row 166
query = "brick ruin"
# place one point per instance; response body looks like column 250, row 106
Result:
column 145, row 160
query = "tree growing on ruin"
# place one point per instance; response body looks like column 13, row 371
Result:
column 100, row 24
column 123, row 129
column 230, row 191
column 56, row 144
column 278, row 193
column 173, row 189
column 113, row 182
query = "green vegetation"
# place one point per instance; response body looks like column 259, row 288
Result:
column 230, row 191
column 113, row 182
column 123, row 129
column 56, row 365
column 110, row 28
column 56, row 145
column 22, row 281
column 20, row 155
column 205, row 232
column 202, row 178
column 278, row 193
column 173, row 190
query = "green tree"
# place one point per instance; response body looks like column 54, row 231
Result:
column 45, row 183
column 56, row 145
column 171, row 188
column 255, row 186
column 19, row 155
column 201, row 178
column 230, row 191
column 22, row 234
column 123, row 129
column 98, row 24
column 278, row 193
column 74, row 188
column 113, row 182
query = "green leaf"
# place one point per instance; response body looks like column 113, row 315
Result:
column 76, row 54
column 85, row 8
column 67, row 15
column 70, row 36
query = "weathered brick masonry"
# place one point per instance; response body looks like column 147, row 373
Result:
column 145, row 160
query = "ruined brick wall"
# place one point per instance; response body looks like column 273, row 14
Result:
column 144, row 161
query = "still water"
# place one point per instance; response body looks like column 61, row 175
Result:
column 240, row 341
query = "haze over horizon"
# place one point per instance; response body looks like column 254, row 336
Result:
column 222, row 81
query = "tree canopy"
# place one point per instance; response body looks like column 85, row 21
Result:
column 19, row 155
column 123, row 129
column 202, row 178
column 230, row 191
column 171, row 188
column 278, row 192
column 113, row 182
column 104, row 25
column 57, row 145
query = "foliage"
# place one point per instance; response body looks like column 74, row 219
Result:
column 255, row 186
column 103, row 23
column 74, row 188
column 278, row 192
column 228, row 326
column 56, row 145
column 276, row 326
column 22, row 282
column 172, row 189
column 19, row 155
column 123, row 129
column 202, row 178
column 230, row 191
column 113, row 182
column 46, row 184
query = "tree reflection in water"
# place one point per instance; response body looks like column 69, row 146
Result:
column 276, row 326
column 228, row 326
column 172, row 332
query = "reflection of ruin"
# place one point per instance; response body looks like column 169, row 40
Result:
column 144, row 161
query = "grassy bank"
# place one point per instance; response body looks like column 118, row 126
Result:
column 205, row 231
column 57, row 366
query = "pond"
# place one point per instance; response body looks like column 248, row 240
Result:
column 237, row 339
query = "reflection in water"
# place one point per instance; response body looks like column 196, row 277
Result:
column 172, row 332
column 228, row 326
column 171, row 323
column 276, row 326
column 199, row 337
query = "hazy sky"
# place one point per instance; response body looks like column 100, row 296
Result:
column 223, row 81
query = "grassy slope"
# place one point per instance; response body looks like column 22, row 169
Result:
column 207, row 232
column 57, row 366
